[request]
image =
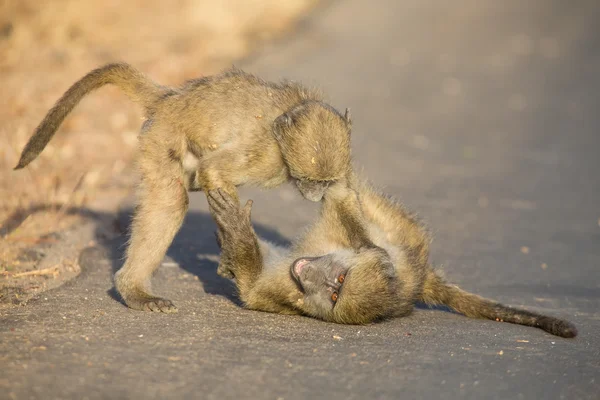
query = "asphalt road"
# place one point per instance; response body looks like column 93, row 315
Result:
column 483, row 117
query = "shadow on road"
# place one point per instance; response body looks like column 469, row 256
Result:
column 194, row 249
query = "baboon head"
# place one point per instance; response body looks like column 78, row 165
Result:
column 347, row 287
column 315, row 144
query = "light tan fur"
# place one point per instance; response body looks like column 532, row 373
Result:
column 376, row 284
column 220, row 131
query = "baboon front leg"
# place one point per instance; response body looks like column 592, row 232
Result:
column 342, row 203
column 162, row 205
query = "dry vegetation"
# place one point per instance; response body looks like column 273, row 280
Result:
column 45, row 45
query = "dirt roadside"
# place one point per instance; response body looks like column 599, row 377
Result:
column 46, row 209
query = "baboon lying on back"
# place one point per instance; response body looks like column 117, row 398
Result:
column 215, row 132
column 320, row 276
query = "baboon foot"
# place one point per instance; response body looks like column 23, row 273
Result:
column 146, row 302
column 136, row 297
column 158, row 304
column 155, row 304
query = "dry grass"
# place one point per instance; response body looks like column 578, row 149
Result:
column 45, row 45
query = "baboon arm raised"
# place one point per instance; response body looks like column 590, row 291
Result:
column 342, row 205
column 240, row 251
column 245, row 256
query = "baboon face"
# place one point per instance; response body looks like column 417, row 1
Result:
column 312, row 190
column 315, row 144
column 347, row 287
column 321, row 280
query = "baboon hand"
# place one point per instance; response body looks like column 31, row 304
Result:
column 227, row 213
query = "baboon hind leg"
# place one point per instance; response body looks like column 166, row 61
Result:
column 162, row 205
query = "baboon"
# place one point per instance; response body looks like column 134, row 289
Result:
column 219, row 131
column 319, row 276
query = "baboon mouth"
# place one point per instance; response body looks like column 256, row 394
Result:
column 299, row 265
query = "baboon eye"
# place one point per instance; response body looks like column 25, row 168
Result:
column 334, row 296
column 341, row 278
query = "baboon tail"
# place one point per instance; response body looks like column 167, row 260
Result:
column 438, row 292
column 136, row 86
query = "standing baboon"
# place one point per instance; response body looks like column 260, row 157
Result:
column 220, row 131
column 321, row 277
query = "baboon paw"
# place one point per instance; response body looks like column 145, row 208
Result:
column 225, row 272
column 157, row 304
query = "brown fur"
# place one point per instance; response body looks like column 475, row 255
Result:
column 371, row 289
column 215, row 132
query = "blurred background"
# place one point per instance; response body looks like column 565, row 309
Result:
column 46, row 45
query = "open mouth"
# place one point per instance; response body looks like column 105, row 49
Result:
column 299, row 266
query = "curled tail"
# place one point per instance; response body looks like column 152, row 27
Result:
column 136, row 86
column 438, row 292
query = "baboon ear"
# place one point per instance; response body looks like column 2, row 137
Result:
column 348, row 117
column 283, row 121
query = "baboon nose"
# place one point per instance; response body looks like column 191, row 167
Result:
column 316, row 197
